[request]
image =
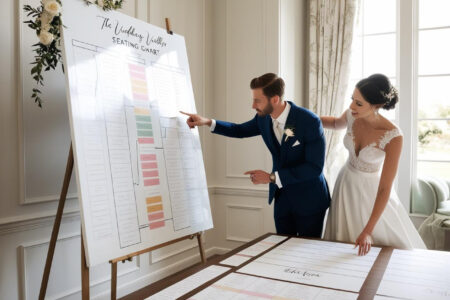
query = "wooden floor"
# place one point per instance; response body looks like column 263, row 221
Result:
column 148, row 290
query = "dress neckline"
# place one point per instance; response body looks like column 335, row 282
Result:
column 370, row 145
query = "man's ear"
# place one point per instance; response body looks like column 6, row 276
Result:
column 275, row 99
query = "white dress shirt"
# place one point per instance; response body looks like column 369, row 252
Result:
column 279, row 123
column 278, row 128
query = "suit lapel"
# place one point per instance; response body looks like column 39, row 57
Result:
column 289, row 124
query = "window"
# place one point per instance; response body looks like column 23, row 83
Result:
column 409, row 41
column 433, row 94
column 374, row 45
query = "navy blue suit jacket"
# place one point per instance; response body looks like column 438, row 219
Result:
column 299, row 167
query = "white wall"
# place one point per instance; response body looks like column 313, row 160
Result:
column 250, row 38
column 229, row 42
column 293, row 49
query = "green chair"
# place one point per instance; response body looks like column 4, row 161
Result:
column 423, row 198
column 431, row 196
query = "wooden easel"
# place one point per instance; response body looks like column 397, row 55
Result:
column 113, row 262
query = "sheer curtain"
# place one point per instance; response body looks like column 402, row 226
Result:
column 331, row 26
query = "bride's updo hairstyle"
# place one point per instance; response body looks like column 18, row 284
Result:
column 378, row 90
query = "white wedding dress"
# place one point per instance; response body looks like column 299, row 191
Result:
column 354, row 197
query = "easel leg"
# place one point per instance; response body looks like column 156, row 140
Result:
column 84, row 272
column 56, row 225
column 200, row 247
column 113, row 280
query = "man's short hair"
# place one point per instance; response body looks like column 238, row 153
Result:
column 271, row 85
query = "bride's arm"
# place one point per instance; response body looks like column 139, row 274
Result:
column 393, row 150
column 333, row 122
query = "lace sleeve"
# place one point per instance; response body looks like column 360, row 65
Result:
column 388, row 136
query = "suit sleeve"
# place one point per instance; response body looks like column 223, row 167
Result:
column 314, row 143
column 244, row 130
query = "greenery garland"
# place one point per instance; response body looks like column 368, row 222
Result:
column 46, row 21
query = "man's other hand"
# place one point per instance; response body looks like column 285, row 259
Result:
column 196, row 120
column 258, row 176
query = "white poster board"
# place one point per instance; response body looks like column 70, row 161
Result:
column 140, row 172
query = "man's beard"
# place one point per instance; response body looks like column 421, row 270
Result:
column 266, row 111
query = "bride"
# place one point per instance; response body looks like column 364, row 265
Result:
column 364, row 208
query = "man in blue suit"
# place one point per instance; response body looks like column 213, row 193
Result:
column 295, row 139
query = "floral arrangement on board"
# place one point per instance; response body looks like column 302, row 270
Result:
column 46, row 21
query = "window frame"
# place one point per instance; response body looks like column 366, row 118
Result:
column 407, row 83
column 408, row 62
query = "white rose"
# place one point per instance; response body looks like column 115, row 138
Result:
column 46, row 38
column 289, row 133
column 52, row 8
column 45, row 27
column 46, row 18
column 100, row 3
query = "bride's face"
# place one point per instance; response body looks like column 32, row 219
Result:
column 359, row 107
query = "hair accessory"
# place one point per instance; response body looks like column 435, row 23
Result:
column 390, row 95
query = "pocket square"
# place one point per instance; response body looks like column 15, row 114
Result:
column 296, row 143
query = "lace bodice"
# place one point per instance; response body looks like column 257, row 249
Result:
column 370, row 157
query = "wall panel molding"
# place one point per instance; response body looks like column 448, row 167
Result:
column 23, row 248
column 49, row 198
column 254, row 217
column 172, row 250
column 35, row 221
column 141, row 10
column 43, row 134
column 47, row 218
column 240, row 192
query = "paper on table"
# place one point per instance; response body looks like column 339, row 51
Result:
column 321, row 263
column 240, row 286
column 190, row 283
column 417, row 274
column 244, row 255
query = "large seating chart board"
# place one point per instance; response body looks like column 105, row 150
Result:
column 140, row 173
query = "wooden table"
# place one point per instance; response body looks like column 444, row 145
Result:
column 368, row 290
